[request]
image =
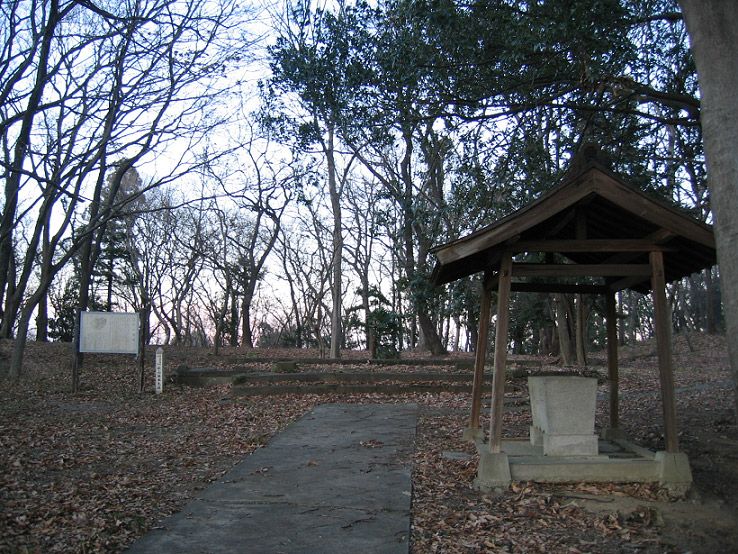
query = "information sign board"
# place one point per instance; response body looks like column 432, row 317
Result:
column 109, row 332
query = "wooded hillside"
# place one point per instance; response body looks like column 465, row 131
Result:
column 286, row 189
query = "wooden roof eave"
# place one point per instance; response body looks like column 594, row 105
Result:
column 512, row 225
column 658, row 212
column 593, row 180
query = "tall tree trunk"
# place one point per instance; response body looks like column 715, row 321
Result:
column 146, row 309
column 457, row 336
column 633, row 316
column 535, row 343
column 544, row 342
column 24, row 304
column 581, row 330
column 25, row 313
column 430, row 337
column 233, row 331
column 319, row 333
column 42, row 319
column 472, row 318
column 109, row 295
column 447, row 331
column 15, row 172
column 91, row 246
column 430, row 334
column 713, row 30
column 164, row 323
column 621, row 326
column 337, row 256
column 11, row 306
column 712, row 307
column 247, row 334
column 42, row 312
column 369, row 334
column 220, row 323
column 16, row 357
column 562, row 328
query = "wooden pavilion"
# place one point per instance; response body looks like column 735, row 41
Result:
column 592, row 226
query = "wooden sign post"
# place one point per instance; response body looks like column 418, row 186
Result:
column 159, row 373
column 107, row 333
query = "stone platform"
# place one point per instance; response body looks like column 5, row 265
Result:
column 618, row 461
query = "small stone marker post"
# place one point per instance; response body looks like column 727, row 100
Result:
column 159, row 374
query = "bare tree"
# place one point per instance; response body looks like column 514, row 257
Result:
column 306, row 264
column 181, row 265
column 317, row 61
column 362, row 230
column 261, row 190
column 103, row 89
column 217, row 292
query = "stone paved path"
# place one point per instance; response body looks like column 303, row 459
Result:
column 337, row 480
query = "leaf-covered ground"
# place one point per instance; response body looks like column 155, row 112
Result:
column 93, row 471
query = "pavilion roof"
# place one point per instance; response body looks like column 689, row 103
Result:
column 594, row 220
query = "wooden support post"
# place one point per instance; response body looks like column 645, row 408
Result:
column 141, row 350
column 663, row 345
column 481, row 356
column 612, row 358
column 498, row 380
column 76, row 354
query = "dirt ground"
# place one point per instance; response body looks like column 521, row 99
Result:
column 91, row 472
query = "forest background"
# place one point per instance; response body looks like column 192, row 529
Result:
column 277, row 175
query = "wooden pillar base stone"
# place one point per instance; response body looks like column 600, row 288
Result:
column 493, row 472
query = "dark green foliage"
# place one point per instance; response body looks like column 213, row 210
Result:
column 65, row 304
column 468, row 111
column 325, row 62
column 270, row 337
column 384, row 326
column 61, row 327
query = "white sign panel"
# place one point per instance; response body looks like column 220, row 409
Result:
column 108, row 332
column 159, row 375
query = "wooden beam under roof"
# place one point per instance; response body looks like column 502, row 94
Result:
column 591, row 245
column 658, row 238
column 580, row 270
column 564, row 288
column 491, row 283
column 627, row 283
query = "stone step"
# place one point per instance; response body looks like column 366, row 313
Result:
column 349, row 388
column 207, row 376
column 355, row 377
column 558, row 469
column 248, row 361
